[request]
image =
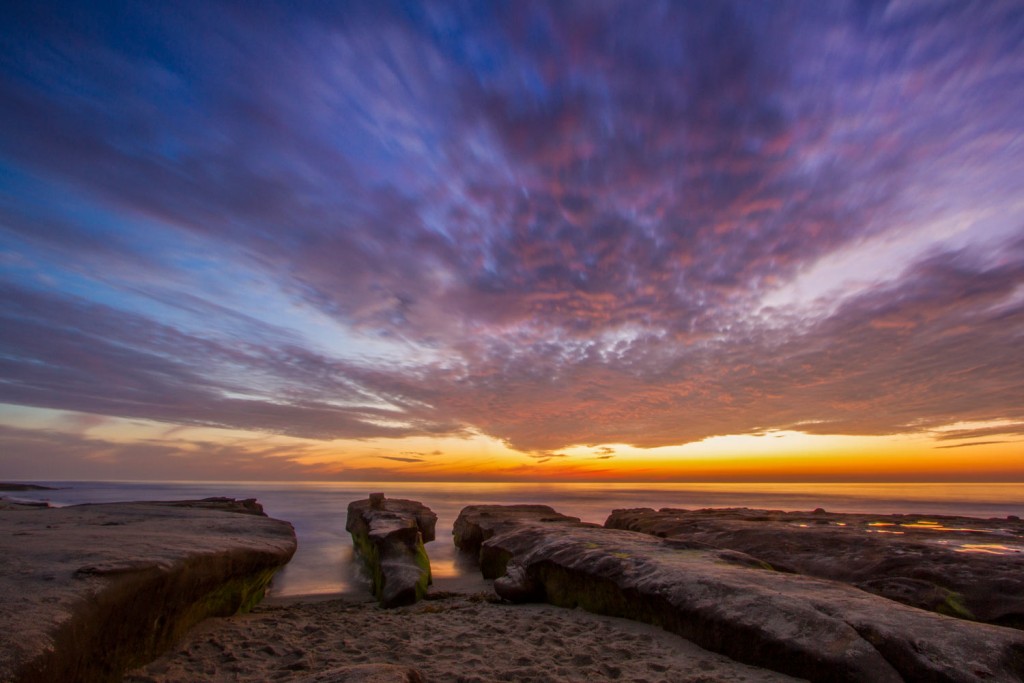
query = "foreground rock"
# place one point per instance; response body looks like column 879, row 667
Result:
column 389, row 535
column 959, row 566
column 89, row 591
column 729, row 602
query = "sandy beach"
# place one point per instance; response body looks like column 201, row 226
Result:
column 451, row 637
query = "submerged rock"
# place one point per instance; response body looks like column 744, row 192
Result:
column 388, row 534
column 90, row 591
column 959, row 566
column 732, row 603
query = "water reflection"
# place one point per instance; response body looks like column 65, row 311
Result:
column 988, row 549
column 323, row 562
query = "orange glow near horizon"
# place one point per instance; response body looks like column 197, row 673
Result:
column 120, row 447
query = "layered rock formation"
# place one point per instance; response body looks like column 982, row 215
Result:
column 963, row 567
column 89, row 591
column 735, row 604
column 477, row 523
column 388, row 534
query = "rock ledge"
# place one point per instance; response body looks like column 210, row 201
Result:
column 958, row 566
column 732, row 603
column 94, row 590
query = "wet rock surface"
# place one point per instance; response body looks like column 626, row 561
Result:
column 732, row 603
column 388, row 534
column 959, row 566
column 92, row 590
column 477, row 523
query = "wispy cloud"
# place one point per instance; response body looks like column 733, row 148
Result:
column 400, row 458
column 562, row 221
column 971, row 444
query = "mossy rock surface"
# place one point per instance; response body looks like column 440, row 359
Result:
column 94, row 590
column 734, row 604
column 958, row 566
column 389, row 535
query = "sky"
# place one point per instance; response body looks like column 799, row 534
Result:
column 593, row 240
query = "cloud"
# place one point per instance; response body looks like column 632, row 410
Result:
column 566, row 217
column 971, row 444
column 69, row 354
column 74, row 456
column 398, row 458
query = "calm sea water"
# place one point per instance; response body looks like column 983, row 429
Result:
column 323, row 563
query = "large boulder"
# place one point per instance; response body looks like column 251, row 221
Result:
column 477, row 523
column 735, row 604
column 388, row 534
column 959, row 566
column 89, row 591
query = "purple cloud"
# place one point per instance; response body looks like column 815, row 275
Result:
column 567, row 216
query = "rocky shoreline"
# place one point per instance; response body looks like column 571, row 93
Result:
column 958, row 566
column 732, row 602
column 94, row 590
column 730, row 594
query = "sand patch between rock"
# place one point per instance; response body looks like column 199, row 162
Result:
column 458, row 639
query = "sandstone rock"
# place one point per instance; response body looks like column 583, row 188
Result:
column 517, row 586
column 925, row 561
column 388, row 535
column 89, row 591
column 477, row 523
column 728, row 602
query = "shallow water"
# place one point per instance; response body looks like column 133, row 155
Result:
column 323, row 563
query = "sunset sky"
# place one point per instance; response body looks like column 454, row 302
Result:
column 514, row 240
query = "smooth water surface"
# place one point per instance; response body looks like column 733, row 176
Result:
column 323, row 563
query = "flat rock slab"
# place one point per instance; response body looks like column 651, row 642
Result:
column 92, row 590
column 959, row 566
column 388, row 534
column 726, row 601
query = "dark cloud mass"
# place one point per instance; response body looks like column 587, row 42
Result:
column 570, row 223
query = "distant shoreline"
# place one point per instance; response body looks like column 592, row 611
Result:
column 15, row 486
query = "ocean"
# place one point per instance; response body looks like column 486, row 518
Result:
column 323, row 563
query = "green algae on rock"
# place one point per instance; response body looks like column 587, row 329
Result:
column 733, row 604
column 94, row 590
column 388, row 535
column 959, row 566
